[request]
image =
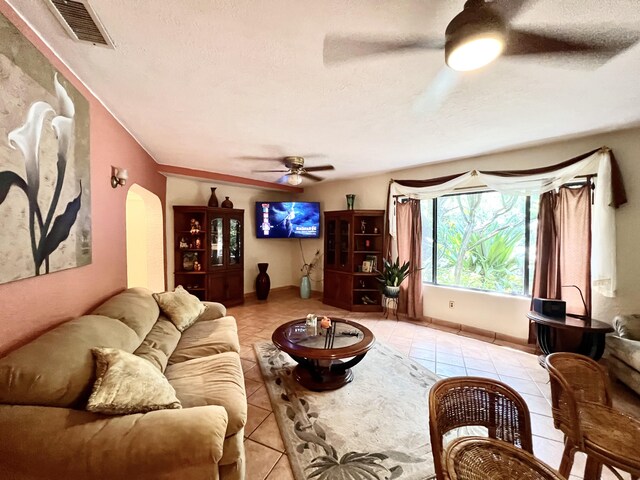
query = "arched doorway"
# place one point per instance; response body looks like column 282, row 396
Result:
column 145, row 245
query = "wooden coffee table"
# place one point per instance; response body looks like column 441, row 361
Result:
column 324, row 360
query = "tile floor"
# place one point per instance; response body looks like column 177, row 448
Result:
column 438, row 349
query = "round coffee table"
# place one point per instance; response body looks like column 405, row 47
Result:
column 324, row 360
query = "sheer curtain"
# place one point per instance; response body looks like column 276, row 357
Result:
column 409, row 235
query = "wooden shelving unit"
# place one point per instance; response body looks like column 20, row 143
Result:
column 219, row 252
column 351, row 238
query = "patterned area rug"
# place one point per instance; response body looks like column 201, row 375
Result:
column 374, row 428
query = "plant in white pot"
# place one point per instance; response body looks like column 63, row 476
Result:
column 392, row 276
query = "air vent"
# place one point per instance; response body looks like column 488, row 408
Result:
column 80, row 21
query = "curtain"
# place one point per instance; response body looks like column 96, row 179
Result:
column 563, row 249
column 410, row 249
column 609, row 195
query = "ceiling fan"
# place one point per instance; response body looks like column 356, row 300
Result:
column 295, row 169
column 474, row 38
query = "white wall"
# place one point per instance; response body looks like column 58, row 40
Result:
column 276, row 252
column 506, row 314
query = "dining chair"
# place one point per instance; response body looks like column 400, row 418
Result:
column 582, row 409
column 474, row 401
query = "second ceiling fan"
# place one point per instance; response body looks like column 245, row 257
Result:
column 474, row 38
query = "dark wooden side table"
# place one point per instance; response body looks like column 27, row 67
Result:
column 324, row 359
column 593, row 334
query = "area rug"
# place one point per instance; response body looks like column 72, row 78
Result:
column 374, row 428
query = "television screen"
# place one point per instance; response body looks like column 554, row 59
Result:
column 287, row 219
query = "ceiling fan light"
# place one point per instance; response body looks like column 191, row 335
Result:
column 294, row 179
column 475, row 37
column 475, row 53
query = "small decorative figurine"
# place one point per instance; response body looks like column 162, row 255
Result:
column 198, row 243
column 363, row 226
column 183, row 243
column 195, row 226
column 325, row 322
column 375, row 230
column 196, row 266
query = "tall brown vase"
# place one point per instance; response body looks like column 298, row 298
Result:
column 263, row 282
column 213, row 200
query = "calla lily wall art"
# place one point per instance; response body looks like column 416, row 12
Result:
column 45, row 214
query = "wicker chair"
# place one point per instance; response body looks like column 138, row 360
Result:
column 472, row 401
column 581, row 407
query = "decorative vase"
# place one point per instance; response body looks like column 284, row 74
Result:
column 391, row 292
column 263, row 282
column 213, row 200
column 351, row 199
column 305, row 287
column 227, row 203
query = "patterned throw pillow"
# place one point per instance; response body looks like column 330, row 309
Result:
column 126, row 384
column 627, row 326
column 182, row 308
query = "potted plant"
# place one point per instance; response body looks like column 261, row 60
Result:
column 392, row 276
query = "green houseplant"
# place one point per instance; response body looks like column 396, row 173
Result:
column 392, row 276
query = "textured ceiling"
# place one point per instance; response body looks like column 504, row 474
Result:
column 200, row 83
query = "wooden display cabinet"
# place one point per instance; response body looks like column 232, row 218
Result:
column 214, row 238
column 353, row 237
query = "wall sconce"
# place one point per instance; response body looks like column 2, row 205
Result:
column 119, row 176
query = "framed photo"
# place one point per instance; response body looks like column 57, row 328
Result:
column 366, row 266
column 374, row 261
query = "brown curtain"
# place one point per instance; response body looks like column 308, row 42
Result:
column 563, row 249
column 409, row 230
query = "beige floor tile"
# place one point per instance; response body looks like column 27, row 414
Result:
column 542, row 426
column 483, row 374
column 537, row 404
column 422, row 354
column 255, row 416
column 444, row 370
column 282, row 470
column 522, row 386
column 268, row 434
column 260, row 460
column 250, row 386
column 449, row 359
column 254, row 374
column 260, row 398
column 478, row 364
column 247, row 364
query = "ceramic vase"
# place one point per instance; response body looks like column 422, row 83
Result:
column 351, row 199
column 263, row 282
column 391, row 292
column 226, row 203
column 213, row 200
column 305, row 287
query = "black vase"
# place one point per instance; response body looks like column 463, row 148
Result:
column 213, row 200
column 226, row 203
column 263, row 282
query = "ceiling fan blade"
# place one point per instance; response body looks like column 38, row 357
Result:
column 437, row 91
column 320, row 168
column 282, row 179
column 338, row 49
column 509, row 9
column 269, row 171
column 523, row 42
column 315, row 178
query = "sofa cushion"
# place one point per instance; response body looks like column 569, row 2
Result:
column 214, row 380
column 160, row 343
column 625, row 350
column 182, row 308
column 57, row 369
column 207, row 338
column 126, row 384
column 627, row 326
column 134, row 307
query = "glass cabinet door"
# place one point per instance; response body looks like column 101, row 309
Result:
column 216, row 233
column 345, row 247
column 331, row 243
column 235, row 241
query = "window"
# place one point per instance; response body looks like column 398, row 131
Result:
column 483, row 241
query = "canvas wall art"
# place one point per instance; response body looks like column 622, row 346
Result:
column 45, row 188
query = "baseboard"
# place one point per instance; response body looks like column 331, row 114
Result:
column 479, row 333
column 276, row 289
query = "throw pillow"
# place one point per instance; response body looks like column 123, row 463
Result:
column 126, row 383
column 182, row 308
column 627, row 326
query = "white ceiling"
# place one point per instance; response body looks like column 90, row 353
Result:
column 200, row 82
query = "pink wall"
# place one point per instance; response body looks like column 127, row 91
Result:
column 31, row 306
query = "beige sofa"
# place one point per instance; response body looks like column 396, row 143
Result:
column 45, row 432
column 623, row 350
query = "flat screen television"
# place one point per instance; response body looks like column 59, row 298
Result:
column 287, row 219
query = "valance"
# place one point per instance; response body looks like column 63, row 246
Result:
column 609, row 195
